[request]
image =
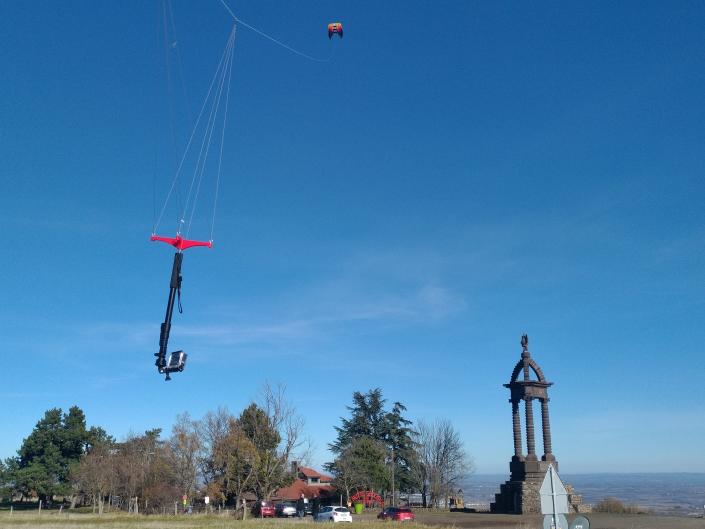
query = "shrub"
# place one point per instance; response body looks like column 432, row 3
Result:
column 616, row 506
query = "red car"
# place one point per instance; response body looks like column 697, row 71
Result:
column 263, row 509
column 398, row 514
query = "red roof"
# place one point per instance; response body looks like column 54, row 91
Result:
column 294, row 491
column 311, row 473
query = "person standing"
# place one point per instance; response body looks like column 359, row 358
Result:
column 300, row 506
column 316, row 506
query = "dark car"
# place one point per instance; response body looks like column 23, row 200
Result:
column 263, row 509
column 285, row 509
column 398, row 514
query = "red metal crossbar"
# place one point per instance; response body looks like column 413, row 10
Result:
column 180, row 243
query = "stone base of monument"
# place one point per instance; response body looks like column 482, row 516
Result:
column 520, row 494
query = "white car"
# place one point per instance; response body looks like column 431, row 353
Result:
column 334, row 514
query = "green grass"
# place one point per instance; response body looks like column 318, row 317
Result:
column 73, row 520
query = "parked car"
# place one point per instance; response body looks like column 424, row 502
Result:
column 334, row 514
column 398, row 514
column 285, row 509
column 263, row 509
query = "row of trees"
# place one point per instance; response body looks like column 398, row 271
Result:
column 222, row 454
column 381, row 450
column 226, row 456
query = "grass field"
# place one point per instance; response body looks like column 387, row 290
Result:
column 428, row 520
column 68, row 520
column 51, row 520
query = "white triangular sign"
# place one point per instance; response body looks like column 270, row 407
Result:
column 554, row 497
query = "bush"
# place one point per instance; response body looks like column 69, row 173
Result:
column 616, row 506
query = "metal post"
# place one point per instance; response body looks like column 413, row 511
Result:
column 174, row 288
column 553, row 498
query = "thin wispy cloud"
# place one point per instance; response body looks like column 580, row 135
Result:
column 322, row 319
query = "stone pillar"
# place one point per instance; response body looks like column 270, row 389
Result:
column 516, row 423
column 530, row 441
column 546, row 426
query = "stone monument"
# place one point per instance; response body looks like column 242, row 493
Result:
column 520, row 494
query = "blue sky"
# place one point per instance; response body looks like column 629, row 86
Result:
column 458, row 174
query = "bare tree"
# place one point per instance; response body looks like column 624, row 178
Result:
column 212, row 429
column 236, row 458
column 442, row 460
column 282, row 419
column 145, row 470
column 185, row 445
column 94, row 475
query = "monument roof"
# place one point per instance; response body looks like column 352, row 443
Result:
column 526, row 365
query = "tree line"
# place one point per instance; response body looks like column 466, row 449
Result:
column 221, row 455
column 227, row 456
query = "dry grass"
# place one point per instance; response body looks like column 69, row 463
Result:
column 126, row 521
column 72, row 520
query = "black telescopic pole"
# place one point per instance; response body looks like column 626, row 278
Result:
column 174, row 288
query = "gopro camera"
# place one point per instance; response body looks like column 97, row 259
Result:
column 176, row 362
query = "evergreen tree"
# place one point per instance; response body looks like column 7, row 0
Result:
column 368, row 419
column 376, row 427
column 74, row 436
column 7, row 472
column 258, row 428
column 42, row 469
column 403, row 454
column 271, row 471
column 46, row 455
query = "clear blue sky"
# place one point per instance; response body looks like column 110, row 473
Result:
column 458, row 174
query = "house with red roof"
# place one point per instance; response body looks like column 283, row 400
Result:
column 308, row 482
column 312, row 477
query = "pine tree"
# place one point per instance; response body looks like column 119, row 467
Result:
column 57, row 442
column 368, row 420
column 370, row 427
column 403, row 453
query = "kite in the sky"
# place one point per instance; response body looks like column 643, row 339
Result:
column 335, row 28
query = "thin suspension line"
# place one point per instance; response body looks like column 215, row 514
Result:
column 210, row 130
column 205, row 142
column 190, row 140
column 222, row 143
column 263, row 34
column 207, row 137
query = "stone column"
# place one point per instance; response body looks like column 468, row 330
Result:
column 530, row 441
column 516, row 423
column 546, row 426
